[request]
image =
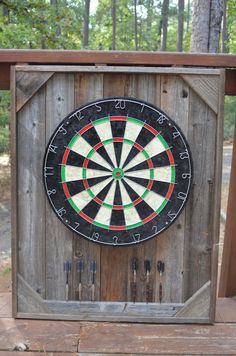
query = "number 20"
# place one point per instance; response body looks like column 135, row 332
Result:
column 120, row 104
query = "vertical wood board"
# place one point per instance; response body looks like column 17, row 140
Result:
column 60, row 101
column 30, row 194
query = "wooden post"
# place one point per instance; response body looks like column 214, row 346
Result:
column 227, row 287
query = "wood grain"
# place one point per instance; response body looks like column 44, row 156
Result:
column 30, row 195
column 60, row 101
column 117, row 57
column 199, row 214
column 207, row 87
column 175, row 102
column 88, row 87
column 198, row 304
column 111, row 339
column 186, row 247
column 14, row 194
column 27, row 84
column 28, row 299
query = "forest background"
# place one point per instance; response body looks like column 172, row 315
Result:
column 138, row 25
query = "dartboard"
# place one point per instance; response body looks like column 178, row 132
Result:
column 117, row 171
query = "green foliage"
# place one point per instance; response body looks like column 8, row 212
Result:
column 231, row 14
column 4, row 120
column 6, row 270
column 230, row 117
column 37, row 24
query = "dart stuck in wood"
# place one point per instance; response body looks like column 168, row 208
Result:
column 67, row 270
column 134, row 267
column 93, row 269
column 80, row 269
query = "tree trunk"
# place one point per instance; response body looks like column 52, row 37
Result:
column 6, row 13
column 200, row 26
column 225, row 35
column 113, row 14
column 86, row 24
column 206, row 25
column 215, row 25
column 135, row 25
column 164, row 13
column 180, row 26
column 58, row 28
column 149, row 22
column 188, row 16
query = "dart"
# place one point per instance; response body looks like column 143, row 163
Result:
column 160, row 292
column 80, row 269
column 160, row 269
column 67, row 270
column 93, row 268
column 147, row 268
column 134, row 267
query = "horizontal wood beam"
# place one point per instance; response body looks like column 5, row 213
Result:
column 230, row 82
column 5, row 76
column 10, row 57
column 118, row 57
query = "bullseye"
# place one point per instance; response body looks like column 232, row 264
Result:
column 118, row 173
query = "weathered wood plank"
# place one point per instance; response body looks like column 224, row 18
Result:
column 60, row 101
column 198, row 304
column 117, row 69
column 117, row 57
column 44, row 336
column 88, row 87
column 14, row 194
column 217, row 195
column 158, row 339
column 170, row 246
column 114, row 261
column 207, row 87
column 27, row 84
column 28, row 299
column 31, row 197
column 114, row 310
column 110, row 338
column 199, row 213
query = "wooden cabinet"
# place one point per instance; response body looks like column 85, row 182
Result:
column 41, row 97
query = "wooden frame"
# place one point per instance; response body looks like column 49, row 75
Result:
column 9, row 57
column 195, row 304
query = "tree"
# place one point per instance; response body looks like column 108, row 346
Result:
column 164, row 14
column 225, row 35
column 180, row 26
column 135, row 25
column 206, row 25
column 113, row 15
column 86, row 24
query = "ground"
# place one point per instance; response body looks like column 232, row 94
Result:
column 5, row 229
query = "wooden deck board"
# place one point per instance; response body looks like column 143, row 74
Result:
column 55, row 338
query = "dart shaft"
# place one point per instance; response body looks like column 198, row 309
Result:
column 93, row 292
column 67, row 291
